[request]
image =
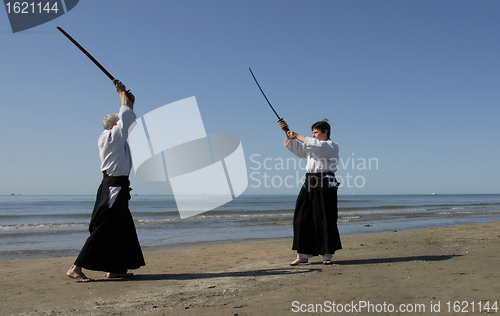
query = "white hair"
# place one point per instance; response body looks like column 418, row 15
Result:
column 109, row 120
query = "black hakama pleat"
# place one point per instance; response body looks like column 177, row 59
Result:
column 113, row 245
column 315, row 230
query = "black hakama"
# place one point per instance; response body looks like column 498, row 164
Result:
column 315, row 230
column 113, row 245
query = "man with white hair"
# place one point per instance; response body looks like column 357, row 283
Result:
column 113, row 245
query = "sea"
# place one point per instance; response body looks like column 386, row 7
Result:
column 56, row 226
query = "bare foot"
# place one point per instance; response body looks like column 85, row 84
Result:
column 297, row 261
column 119, row 275
column 76, row 273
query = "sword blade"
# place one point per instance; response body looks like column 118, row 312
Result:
column 258, row 85
column 87, row 54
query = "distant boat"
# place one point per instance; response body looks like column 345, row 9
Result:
column 434, row 193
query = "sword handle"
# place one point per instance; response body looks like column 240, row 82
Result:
column 284, row 128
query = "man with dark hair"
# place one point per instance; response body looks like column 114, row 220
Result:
column 113, row 245
column 315, row 230
column 323, row 126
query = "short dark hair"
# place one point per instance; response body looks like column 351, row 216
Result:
column 322, row 126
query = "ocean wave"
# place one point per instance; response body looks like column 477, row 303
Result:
column 205, row 216
column 41, row 226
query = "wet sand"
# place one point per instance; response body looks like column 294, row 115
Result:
column 434, row 271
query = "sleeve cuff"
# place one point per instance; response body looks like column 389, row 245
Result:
column 286, row 142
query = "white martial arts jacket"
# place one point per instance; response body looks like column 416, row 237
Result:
column 114, row 150
column 320, row 155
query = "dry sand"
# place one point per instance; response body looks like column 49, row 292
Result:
column 418, row 269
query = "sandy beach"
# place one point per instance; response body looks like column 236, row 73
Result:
column 451, row 270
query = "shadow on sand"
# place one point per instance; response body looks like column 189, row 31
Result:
column 192, row 276
column 395, row 259
column 270, row 272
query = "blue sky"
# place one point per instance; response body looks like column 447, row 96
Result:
column 411, row 86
